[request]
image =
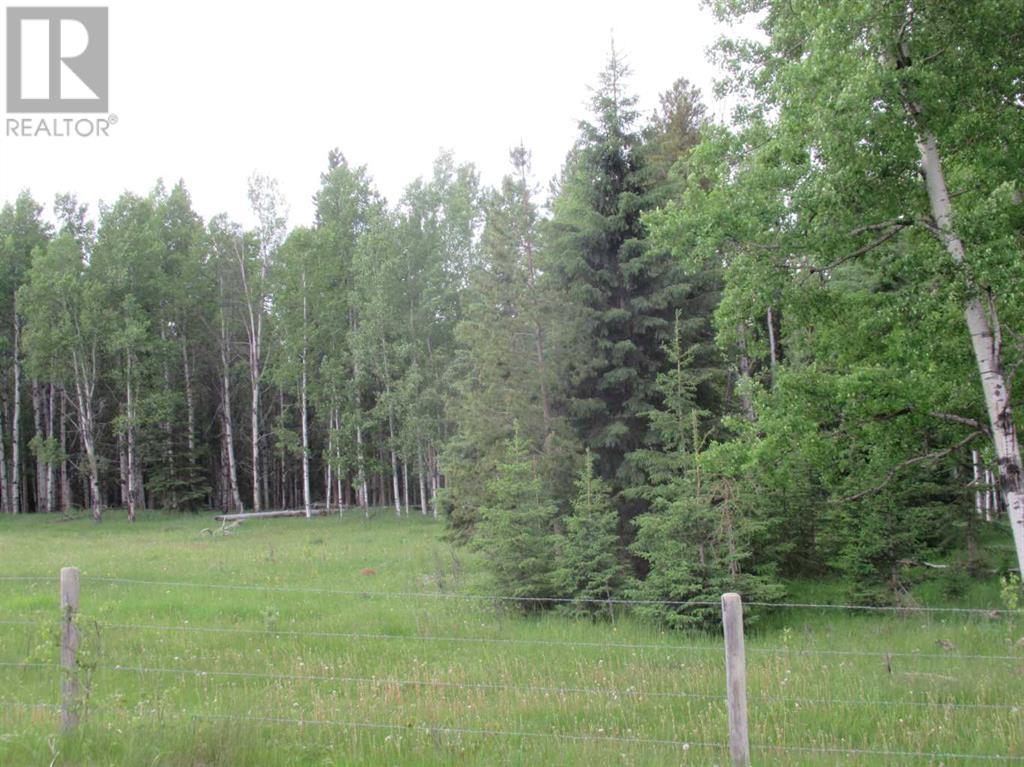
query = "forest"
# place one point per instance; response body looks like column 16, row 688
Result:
column 706, row 357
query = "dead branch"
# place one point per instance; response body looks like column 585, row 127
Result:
column 932, row 456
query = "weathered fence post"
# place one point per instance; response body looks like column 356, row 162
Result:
column 736, row 679
column 69, row 588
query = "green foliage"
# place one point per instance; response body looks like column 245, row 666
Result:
column 623, row 292
column 516, row 532
column 593, row 564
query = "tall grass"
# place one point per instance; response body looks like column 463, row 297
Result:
column 336, row 675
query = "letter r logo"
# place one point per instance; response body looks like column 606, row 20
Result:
column 57, row 60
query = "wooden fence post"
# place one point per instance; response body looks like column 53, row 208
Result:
column 69, row 589
column 736, row 679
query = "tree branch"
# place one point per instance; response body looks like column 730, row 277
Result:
column 932, row 456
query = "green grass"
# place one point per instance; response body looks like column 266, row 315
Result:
column 615, row 683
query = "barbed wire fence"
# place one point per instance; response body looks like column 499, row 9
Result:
column 733, row 696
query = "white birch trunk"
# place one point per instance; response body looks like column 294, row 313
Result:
column 65, row 479
column 405, row 485
column 5, row 490
column 190, row 406
column 985, row 338
column 130, row 441
column 307, row 503
column 227, row 424
column 16, row 421
column 979, row 494
column 423, row 481
column 51, row 490
column 85, row 385
column 37, row 422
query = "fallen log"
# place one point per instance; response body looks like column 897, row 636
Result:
column 266, row 515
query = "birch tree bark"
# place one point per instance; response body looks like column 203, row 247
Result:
column 306, row 500
column 227, row 429
column 16, row 420
column 40, row 464
column 51, row 499
column 65, row 479
column 85, row 386
column 4, row 487
column 983, row 326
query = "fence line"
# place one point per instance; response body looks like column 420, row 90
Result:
column 610, row 691
column 737, row 698
column 880, row 654
column 429, row 729
column 682, row 744
column 981, row 611
column 384, row 681
column 18, row 664
column 415, row 637
column 19, row 622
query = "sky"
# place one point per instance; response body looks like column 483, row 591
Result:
column 211, row 92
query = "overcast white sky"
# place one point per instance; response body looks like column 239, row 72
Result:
column 212, row 91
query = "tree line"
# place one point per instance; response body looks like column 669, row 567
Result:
column 711, row 357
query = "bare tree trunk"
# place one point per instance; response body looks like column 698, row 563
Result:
column 405, row 485
column 435, row 479
column 327, row 463
column 227, row 426
column 992, row 504
column 254, row 332
column 130, row 441
column 986, row 338
column 16, row 420
column 362, row 488
column 51, row 499
column 307, row 503
column 423, row 481
column 65, row 480
column 190, row 407
column 85, row 384
column 40, row 435
column 979, row 494
column 168, row 428
column 746, row 402
column 391, row 429
column 774, row 356
column 122, row 465
column 254, row 421
column 5, row 490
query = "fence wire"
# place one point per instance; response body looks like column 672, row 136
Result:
column 430, row 729
column 608, row 691
column 612, row 692
column 444, row 595
column 877, row 654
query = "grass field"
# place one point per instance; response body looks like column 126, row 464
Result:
column 312, row 669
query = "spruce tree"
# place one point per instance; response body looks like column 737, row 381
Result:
column 623, row 292
column 593, row 561
column 517, row 529
column 697, row 538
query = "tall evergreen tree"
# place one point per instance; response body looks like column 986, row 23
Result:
column 625, row 291
column 512, row 354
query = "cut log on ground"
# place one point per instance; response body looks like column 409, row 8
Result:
column 267, row 514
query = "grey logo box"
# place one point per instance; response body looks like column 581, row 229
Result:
column 90, row 67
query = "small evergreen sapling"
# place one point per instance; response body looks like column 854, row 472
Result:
column 593, row 562
column 517, row 529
